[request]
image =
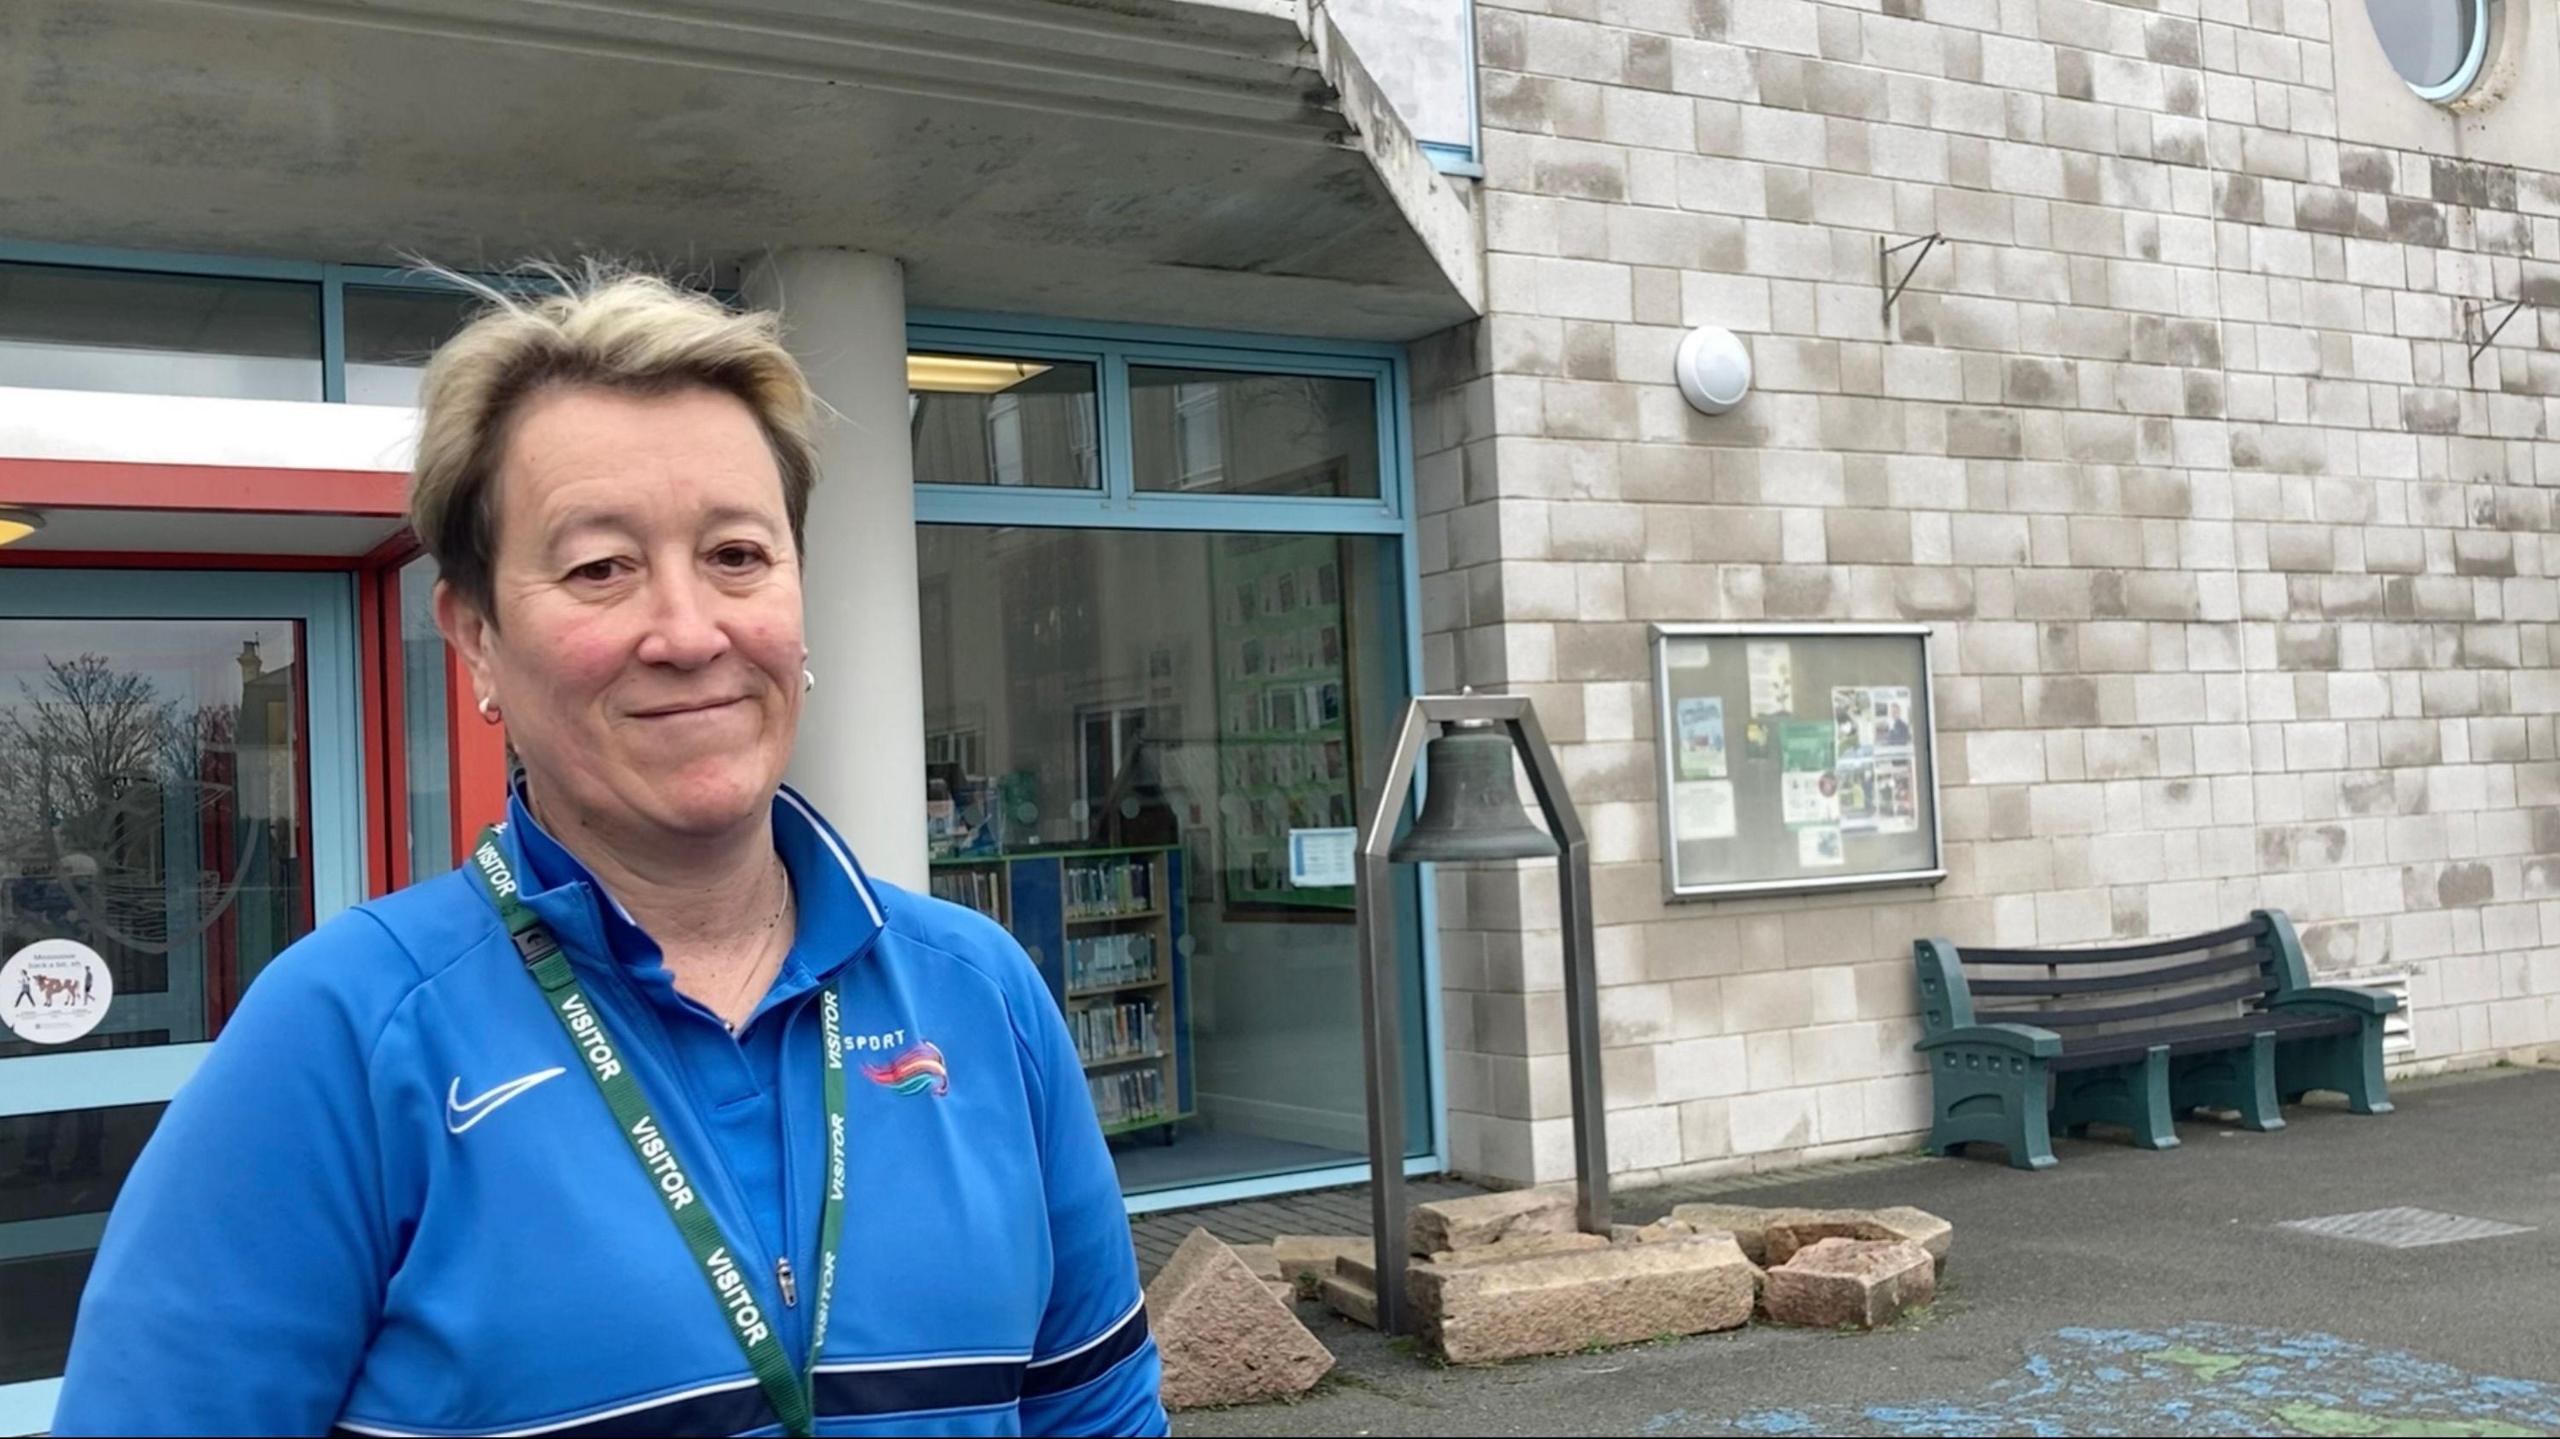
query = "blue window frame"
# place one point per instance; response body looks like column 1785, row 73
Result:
column 1119, row 503
column 332, row 281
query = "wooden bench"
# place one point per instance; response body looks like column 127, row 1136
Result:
column 2138, row 1035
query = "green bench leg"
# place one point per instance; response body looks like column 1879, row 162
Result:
column 1990, row 1097
column 2241, row 1079
column 2028, row 1146
column 2348, row 1064
column 2134, row 1095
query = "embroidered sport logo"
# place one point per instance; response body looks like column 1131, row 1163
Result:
column 914, row 1071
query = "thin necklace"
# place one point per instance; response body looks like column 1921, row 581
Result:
column 748, row 979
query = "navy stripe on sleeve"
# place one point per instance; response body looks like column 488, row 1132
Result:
column 1056, row 1376
column 841, row 1394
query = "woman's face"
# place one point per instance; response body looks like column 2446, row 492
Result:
column 646, row 654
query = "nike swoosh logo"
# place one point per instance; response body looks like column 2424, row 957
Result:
column 475, row 1110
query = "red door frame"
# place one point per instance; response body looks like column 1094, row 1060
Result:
column 475, row 751
column 382, row 664
column 476, row 755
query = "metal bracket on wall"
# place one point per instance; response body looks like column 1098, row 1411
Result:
column 2474, row 314
column 1884, row 268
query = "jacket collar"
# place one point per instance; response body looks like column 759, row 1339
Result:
column 839, row 910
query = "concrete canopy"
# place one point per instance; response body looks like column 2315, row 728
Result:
column 1169, row 161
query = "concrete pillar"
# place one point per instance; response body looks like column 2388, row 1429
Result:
column 861, row 754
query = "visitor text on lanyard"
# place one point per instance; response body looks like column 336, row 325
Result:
column 787, row 1387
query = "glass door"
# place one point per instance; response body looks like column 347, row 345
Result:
column 179, row 800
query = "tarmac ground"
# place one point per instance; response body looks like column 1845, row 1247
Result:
column 2121, row 1292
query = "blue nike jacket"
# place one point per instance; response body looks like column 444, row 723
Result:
column 393, row 1202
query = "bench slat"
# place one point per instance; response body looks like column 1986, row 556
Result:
column 2095, row 1050
column 2117, row 1013
column 2155, row 949
column 2135, row 979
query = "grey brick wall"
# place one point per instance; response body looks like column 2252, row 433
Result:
column 2243, row 585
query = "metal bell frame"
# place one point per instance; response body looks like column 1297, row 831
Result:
column 1378, row 975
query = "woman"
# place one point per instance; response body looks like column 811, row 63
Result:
column 659, row 1116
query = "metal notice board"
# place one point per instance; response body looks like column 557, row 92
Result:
column 1795, row 757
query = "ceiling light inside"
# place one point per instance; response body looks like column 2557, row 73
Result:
column 16, row 525
column 967, row 374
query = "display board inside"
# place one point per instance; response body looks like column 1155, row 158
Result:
column 1284, row 708
column 1794, row 757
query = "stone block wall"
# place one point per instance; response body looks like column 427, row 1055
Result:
column 2242, row 581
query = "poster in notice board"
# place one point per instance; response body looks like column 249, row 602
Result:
column 1794, row 757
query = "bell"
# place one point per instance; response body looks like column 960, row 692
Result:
column 1473, row 811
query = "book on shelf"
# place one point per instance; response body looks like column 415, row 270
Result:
column 1127, row 1095
column 1106, row 960
column 1105, row 1032
column 1101, row 888
column 979, row 889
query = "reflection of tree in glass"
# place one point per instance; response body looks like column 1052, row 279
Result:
column 101, row 769
column 85, row 737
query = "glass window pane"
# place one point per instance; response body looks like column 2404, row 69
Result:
column 44, row 1295
column 154, row 807
column 422, row 702
column 69, row 328
column 982, row 420
column 1220, row 432
column 2427, row 40
column 60, row 1172
column 390, row 334
column 1081, row 697
column 69, row 1161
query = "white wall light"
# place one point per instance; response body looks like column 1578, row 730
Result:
column 1713, row 368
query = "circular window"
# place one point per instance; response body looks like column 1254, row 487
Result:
column 2436, row 45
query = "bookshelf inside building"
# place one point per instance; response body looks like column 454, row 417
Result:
column 1104, row 926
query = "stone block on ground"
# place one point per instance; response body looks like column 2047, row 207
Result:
column 1266, row 1267
column 1855, row 1283
column 1518, row 1246
column 1351, row 1289
column 1772, row 1236
column 1916, row 1227
column 1745, row 1222
column 1560, row 1302
column 1919, row 1226
column 1654, row 1233
column 1481, row 1219
column 1353, row 1296
column 1224, row 1336
column 1306, row 1260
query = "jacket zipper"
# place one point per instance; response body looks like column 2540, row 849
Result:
column 717, row 1162
column 784, row 1279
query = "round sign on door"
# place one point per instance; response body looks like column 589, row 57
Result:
column 54, row 991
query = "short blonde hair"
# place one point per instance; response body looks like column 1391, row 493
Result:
column 602, row 326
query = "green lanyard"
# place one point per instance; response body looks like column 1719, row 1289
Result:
column 790, row 1390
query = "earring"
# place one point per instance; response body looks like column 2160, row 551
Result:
column 808, row 681
column 488, row 710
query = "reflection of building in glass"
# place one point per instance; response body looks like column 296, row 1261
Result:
column 160, row 831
